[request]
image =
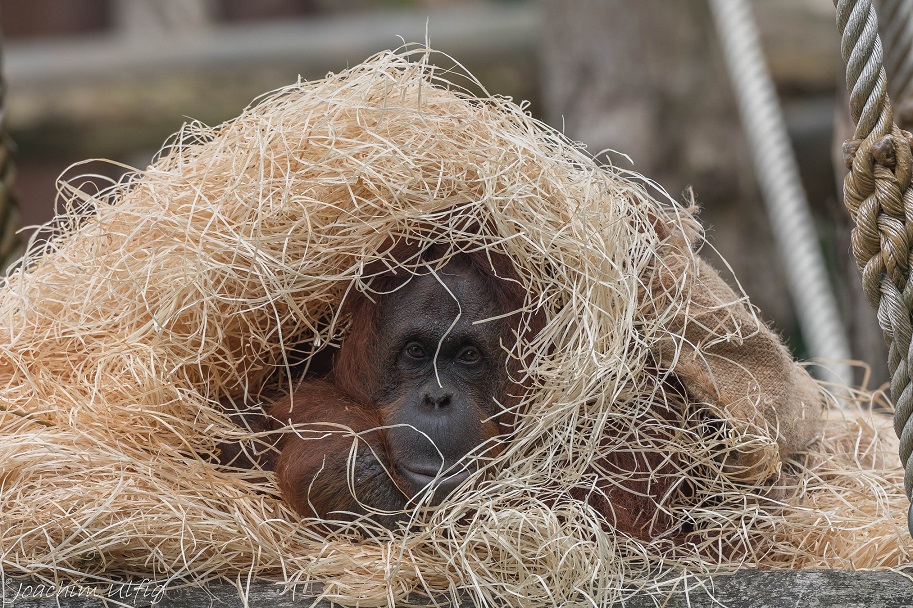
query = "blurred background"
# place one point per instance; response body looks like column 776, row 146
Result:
column 113, row 79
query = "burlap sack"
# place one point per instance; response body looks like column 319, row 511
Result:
column 728, row 359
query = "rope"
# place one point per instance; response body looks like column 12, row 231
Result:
column 778, row 175
column 878, row 195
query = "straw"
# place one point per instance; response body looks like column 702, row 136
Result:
column 186, row 285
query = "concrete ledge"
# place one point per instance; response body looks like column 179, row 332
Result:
column 748, row 589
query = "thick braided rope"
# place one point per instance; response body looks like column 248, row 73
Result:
column 878, row 195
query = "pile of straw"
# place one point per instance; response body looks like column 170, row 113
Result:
column 185, row 286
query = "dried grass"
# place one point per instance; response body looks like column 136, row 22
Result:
column 187, row 283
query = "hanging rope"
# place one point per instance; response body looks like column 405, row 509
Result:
column 778, row 175
column 878, row 195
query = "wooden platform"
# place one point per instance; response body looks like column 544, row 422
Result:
column 749, row 589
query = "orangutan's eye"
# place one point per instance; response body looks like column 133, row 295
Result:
column 469, row 355
column 414, row 350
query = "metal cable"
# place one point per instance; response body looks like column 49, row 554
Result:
column 877, row 193
column 778, row 175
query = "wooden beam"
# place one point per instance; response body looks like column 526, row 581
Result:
column 747, row 589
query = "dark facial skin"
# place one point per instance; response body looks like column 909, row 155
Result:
column 421, row 379
column 443, row 375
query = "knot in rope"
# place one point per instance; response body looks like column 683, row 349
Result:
column 878, row 195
